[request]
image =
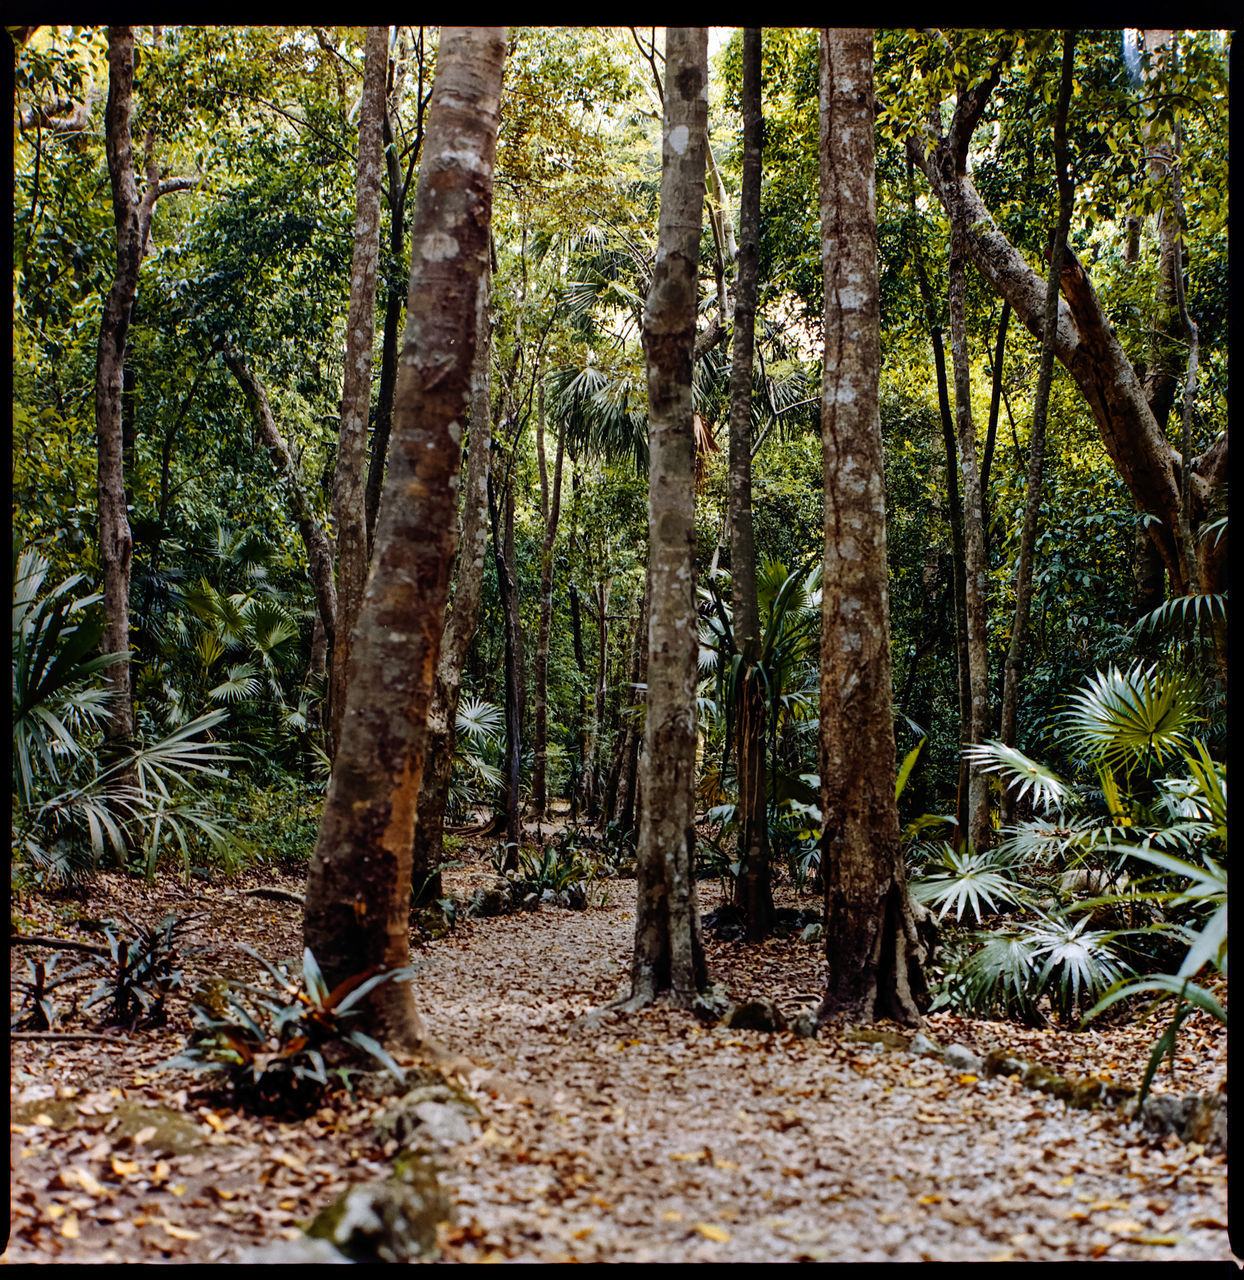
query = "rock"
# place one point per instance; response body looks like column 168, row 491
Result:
column 390, row 1221
column 1090, row 882
column 302, row 1250
column 711, row 1005
column 805, row 1023
column 812, row 933
column 755, row 1015
column 961, row 1058
column 924, row 1046
column 726, row 923
column 1195, row 1117
column 430, row 1112
column 492, row 900
column 377, row 1085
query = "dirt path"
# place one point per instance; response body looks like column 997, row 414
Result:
column 647, row 1138
column 653, row 1139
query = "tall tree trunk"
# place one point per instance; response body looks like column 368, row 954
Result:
column 427, row 852
column 314, row 539
column 991, row 432
column 1032, row 502
column 873, row 952
column 596, row 735
column 132, row 215
column 399, row 189
column 958, row 557
column 752, row 890
column 549, row 510
column 668, row 952
column 508, row 589
column 349, row 519
column 358, row 885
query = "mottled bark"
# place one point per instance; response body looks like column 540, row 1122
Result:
column 753, row 893
column 668, row 953
column 1036, row 460
column 427, row 851
column 991, row 431
column 349, row 520
column 314, row 539
column 550, row 505
column 871, row 944
column 358, row 884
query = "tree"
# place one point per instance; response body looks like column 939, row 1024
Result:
column 349, row 517
column 668, row 952
column 1032, row 503
column 132, row 215
column 358, row 885
column 752, row 888
column 874, row 954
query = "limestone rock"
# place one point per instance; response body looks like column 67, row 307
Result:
column 962, row 1058
column 434, row 1113
column 755, row 1015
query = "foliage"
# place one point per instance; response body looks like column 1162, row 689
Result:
column 966, row 880
column 139, row 973
column 39, row 1010
column 280, row 1047
column 72, row 806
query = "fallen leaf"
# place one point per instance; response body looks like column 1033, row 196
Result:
column 181, row 1233
column 145, row 1134
column 688, row 1155
column 69, row 1228
column 124, row 1168
column 968, row 1078
column 1125, row 1226
column 711, row 1232
column 582, row 1233
column 929, row 1200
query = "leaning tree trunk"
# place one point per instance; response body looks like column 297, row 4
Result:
column 350, row 525
column 427, row 852
column 314, row 539
column 1036, row 460
column 668, row 953
column 508, row 589
column 874, row 954
column 358, row 885
column 752, row 890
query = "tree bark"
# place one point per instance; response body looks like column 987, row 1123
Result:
column 463, row 615
column 349, row 517
column 358, row 884
column 508, row 589
column 753, row 892
column 1032, row 501
column 1086, row 345
column 319, row 550
column 550, row 507
column 668, row 953
column 873, row 952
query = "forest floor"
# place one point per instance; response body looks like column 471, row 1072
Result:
column 647, row 1137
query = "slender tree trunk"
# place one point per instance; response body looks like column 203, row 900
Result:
column 349, row 518
column 513, row 678
column 1032, row 502
column 991, row 433
column 314, row 539
column 752, row 890
column 873, row 952
column 550, row 510
column 460, row 625
column 576, row 635
column 358, row 884
column 132, row 222
column 596, row 735
column 668, row 953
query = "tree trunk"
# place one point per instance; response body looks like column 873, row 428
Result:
column 549, row 510
column 399, row 189
column 349, row 520
column 1086, row 345
column 873, row 952
column 753, row 893
column 1032, row 502
column 358, row 885
column 508, row 590
column 428, row 847
column 576, row 634
column 668, row 953
column 991, row 432
column 319, row 551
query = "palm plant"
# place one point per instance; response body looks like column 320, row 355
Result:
column 479, row 733
column 71, row 807
column 1169, row 833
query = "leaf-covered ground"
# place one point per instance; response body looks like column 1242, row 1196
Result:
column 646, row 1137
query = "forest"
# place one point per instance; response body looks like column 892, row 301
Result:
column 619, row 644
